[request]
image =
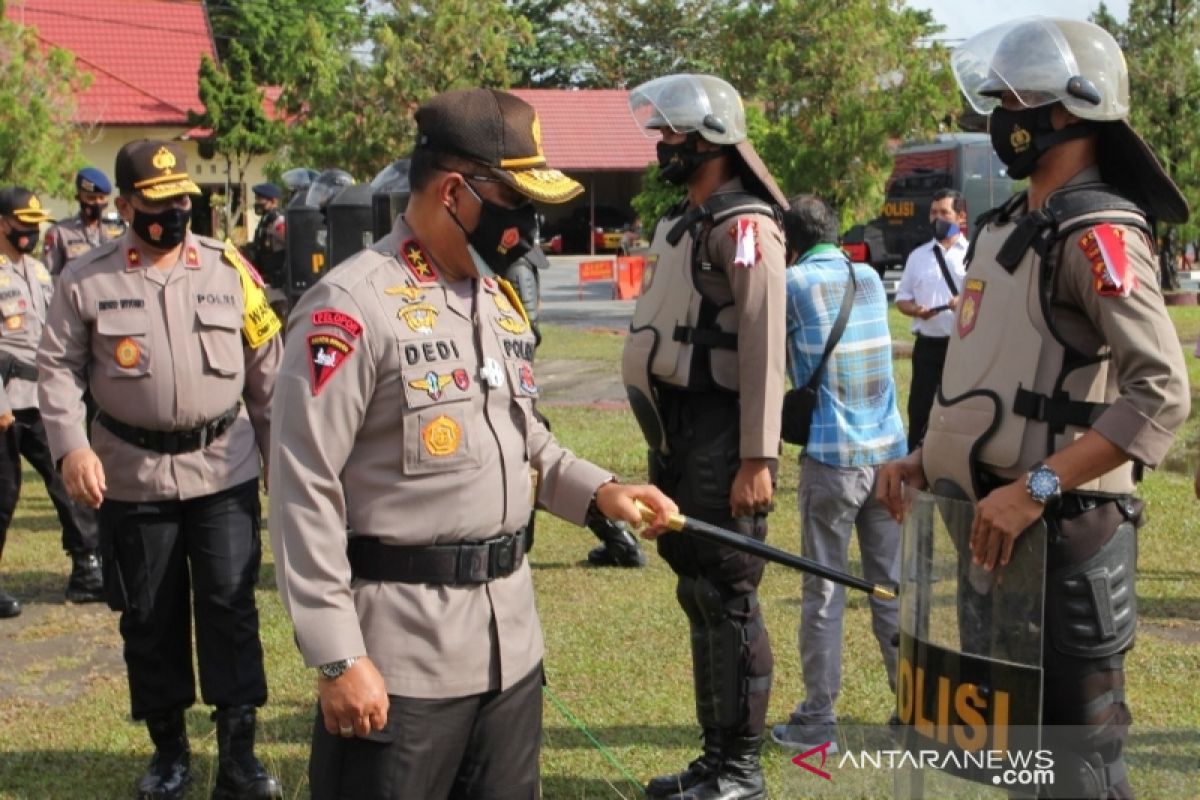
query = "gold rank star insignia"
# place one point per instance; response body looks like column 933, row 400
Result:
column 417, row 263
column 419, row 317
column 432, row 384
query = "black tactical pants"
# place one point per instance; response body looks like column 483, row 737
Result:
column 732, row 661
column 928, row 358
column 156, row 553
column 481, row 747
column 27, row 437
column 1090, row 619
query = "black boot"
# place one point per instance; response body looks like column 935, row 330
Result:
column 86, row 584
column 240, row 776
column 9, row 607
column 740, row 776
column 696, row 773
column 169, row 772
column 618, row 546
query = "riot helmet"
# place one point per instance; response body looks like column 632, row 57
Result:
column 392, row 178
column 326, row 185
column 297, row 181
column 1043, row 61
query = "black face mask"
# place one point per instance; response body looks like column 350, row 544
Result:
column 91, row 211
column 502, row 235
column 260, row 209
column 943, row 229
column 24, row 242
column 1021, row 137
column 678, row 162
column 163, row 230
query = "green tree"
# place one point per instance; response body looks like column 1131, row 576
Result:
column 554, row 55
column 358, row 114
column 1161, row 40
column 840, row 86
column 233, row 111
column 39, row 136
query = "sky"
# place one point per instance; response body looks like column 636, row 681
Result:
column 963, row 18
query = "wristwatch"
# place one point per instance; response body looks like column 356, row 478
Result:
column 1042, row 484
column 335, row 669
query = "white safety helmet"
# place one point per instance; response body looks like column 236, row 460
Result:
column 1042, row 61
column 688, row 103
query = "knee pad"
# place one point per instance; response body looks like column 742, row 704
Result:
column 1092, row 607
column 730, row 638
column 685, row 593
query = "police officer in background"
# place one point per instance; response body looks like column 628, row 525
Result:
column 74, row 236
column 25, row 290
column 180, row 352
column 1064, row 376
column 400, row 483
column 270, row 237
column 704, row 369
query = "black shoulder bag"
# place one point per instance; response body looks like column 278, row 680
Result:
column 799, row 403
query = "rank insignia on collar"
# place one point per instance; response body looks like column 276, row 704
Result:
column 419, row 317
column 417, row 263
column 1104, row 247
column 432, row 384
column 192, row 256
column 441, row 436
column 327, row 354
column 133, row 258
column 127, row 353
column 410, row 294
column 969, row 303
column 489, row 284
column 492, row 373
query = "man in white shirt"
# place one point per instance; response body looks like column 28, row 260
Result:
column 928, row 293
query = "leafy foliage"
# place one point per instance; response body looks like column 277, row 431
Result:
column 39, row 140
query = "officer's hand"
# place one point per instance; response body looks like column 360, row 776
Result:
column 83, row 475
column 616, row 501
column 927, row 313
column 752, row 489
column 1000, row 518
column 356, row 702
column 6, row 421
column 893, row 477
column 954, row 302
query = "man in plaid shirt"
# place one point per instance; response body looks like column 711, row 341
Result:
column 856, row 428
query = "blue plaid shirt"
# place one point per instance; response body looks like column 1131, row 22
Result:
column 856, row 422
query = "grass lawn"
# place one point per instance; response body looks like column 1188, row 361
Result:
column 617, row 656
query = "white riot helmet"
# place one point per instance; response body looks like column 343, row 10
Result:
column 686, row 103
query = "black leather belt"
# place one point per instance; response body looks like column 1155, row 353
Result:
column 468, row 562
column 171, row 442
column 12, row 367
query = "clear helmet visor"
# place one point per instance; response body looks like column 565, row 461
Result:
column 326, row 185
column 685, row 103
column 1042, row 61
column 392, row 178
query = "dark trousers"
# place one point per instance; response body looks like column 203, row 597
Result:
column 928, row 358
column 481, row 747
column 158, row 552
column 703, row 435
column 27, row 437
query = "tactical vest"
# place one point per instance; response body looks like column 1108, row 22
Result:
column 675, row 327
column 1013, row 390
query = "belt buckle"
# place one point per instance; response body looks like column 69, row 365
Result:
column 471, row 565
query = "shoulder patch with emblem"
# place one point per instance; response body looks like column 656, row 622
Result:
column 1112, row 275
column 326, row 355
column 745, row 234
column 338, row 319
column 418, row 264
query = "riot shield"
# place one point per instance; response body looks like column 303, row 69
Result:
column 349, row 219
column 968, row 683
column 305, row 239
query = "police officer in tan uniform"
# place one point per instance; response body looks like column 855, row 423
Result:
column 180, row 351
column 74, row 236
column 1064, row 377
column 402, row 445
column 704, row 369
column 24, row 295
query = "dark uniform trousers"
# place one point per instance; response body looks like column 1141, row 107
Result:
column 717, row 589
column 27, row 437
column 156, row 553
column 481, row 747
column 928, row 358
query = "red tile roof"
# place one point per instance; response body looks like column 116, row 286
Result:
column 143, row 54
column 589, row 130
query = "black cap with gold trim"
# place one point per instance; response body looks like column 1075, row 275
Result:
column 22, row 204
column 154, row 169
column 497, row 130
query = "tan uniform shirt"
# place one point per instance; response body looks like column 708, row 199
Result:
column 69, row 239
column 25, row 290
column 406, row 414
column 163, row 350
column 1144, row 382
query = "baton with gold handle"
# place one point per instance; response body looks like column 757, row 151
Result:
column 682, row 524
